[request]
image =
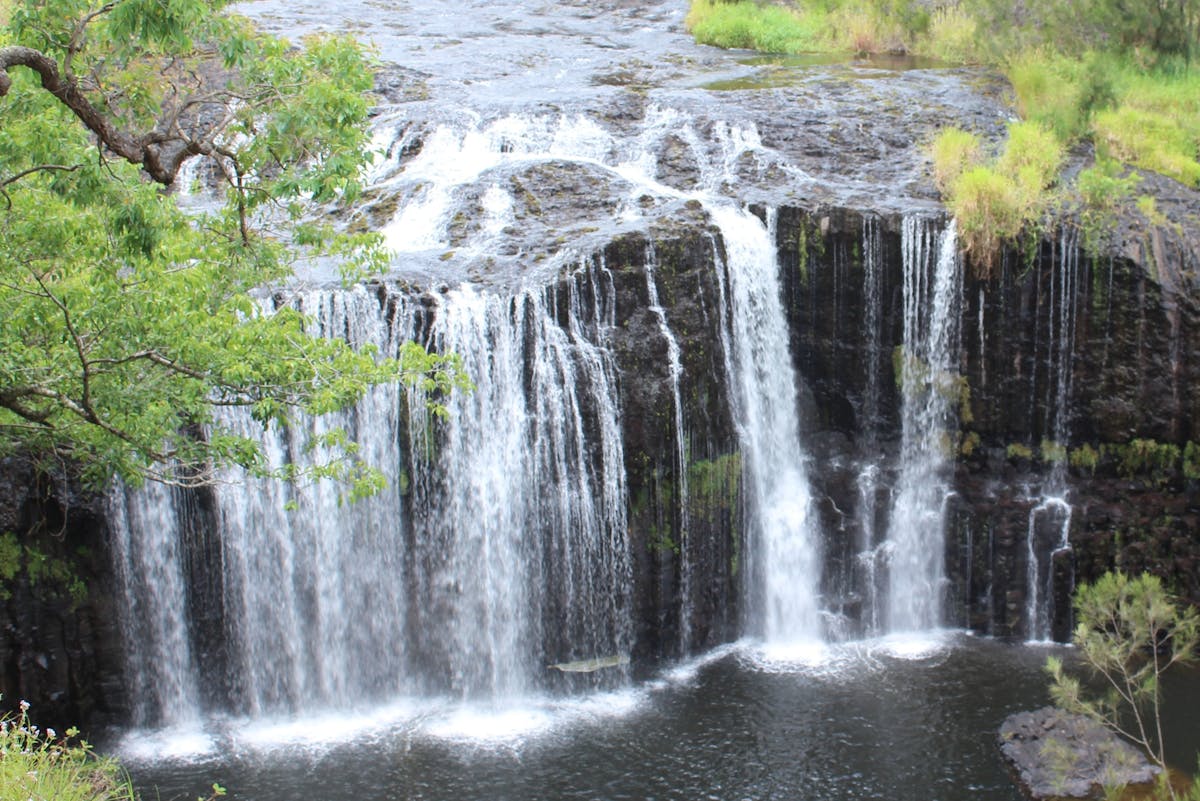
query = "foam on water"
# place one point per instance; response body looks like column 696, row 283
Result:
column 187, row 743
column 484, row 725
column 913, row 645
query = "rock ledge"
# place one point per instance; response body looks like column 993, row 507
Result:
column 1059, row 755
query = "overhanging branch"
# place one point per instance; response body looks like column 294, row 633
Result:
column 160, row 156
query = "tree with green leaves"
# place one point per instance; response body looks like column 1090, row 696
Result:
column 126, row 322
column 1129, row 632
column 1152, row 30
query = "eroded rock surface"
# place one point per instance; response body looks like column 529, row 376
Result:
column 1059, row 755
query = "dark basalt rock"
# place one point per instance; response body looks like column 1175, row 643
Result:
column 59, row 640
column 1134, row 339
column 1059, row 755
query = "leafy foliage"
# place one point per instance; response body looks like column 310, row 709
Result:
column 1129, row 632
column 125, row 323
column 1152, row 30
column 40, row 766
column 995, row 202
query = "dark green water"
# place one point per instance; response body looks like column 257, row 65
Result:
column 864, row 721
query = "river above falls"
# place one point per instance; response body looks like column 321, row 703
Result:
column 514, row 134
column 887, row 719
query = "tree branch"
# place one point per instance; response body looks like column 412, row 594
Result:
column 161, row 164
column 76, row 43
column 47, row 167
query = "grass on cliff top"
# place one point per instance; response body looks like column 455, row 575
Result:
column 994, row 200
column 1134, row 116
column 834, row 26
column 1139, row 106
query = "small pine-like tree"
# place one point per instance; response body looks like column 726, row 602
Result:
column 1130, row 632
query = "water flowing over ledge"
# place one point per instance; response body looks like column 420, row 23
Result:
column 723, row 375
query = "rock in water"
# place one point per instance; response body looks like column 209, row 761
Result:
column 1060, row 755
column 591, row 665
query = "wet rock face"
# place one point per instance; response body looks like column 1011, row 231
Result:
column 1129, row 337
column 685, row 553
column 59, row 641
column 1055, row 346
column 1058, row 755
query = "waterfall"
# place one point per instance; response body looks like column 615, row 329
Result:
column 521, row 541
column 499, row 545
column 930, row 387
column 675, row 366
column 1046, row 541
column 783, row 545
column 869, row 476
column 147, row 549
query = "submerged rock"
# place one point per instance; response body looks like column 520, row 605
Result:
column 1060, row 755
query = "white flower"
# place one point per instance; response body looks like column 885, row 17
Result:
column 51, row 733
column 24, row 706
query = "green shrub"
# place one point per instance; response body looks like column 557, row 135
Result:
column 995, row 203
column 991, row 209
column 1047, row 91
column 1103, row 189
column 1150, row 140
column 1085, row 457
column 1146, row 457
column 1033, row 155
column 1191, row 461
column 1053, row 452
column 953, row 35
column 1018, row 450
column 39, row 766
column 954, row 151
column 1129, row 632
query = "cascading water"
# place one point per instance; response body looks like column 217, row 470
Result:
column 313, row 607
column 499, row 546
column 930, row 388
column 147, row 546
column 1048, row 533
column 785, row 552
column 869, row 476
column 675, row 366
column 521, row 528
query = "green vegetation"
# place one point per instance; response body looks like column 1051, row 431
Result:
column 1146, row 456
column 996, row 201
column 713, row 487
column 1130, row 632
column 1053, row 452
column 45, row 573
column 1017, row 450
column 878, row 26
column 40, row 766
column 1085, row 457
column 1115, row 73
column 769, row 28
column 1191, row 461
column 126, row 323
